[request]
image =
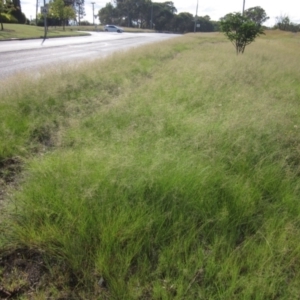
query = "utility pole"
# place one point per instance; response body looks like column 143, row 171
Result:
column 36, row 12
column 152, row 16
column 45, row 12
column 196, row 17
column 93, row 3
column 244, row 6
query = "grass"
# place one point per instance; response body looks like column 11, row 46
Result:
column 174, row 174
column 101, row 28
column 17, row 31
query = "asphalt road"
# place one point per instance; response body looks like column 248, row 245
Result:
column 30, row 55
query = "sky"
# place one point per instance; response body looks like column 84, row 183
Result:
column 214, row 8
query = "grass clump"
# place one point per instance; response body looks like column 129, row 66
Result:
column 171, row 175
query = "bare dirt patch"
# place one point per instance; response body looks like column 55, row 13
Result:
column 25, row 273
column 20, row 272
column 9, row 169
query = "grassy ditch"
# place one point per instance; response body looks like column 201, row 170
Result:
column 170, row 172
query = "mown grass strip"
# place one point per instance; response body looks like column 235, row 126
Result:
column 19, row 31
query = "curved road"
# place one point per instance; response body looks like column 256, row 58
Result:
column 30, row 55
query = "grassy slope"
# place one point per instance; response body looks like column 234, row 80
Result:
column 173, row 174
column 12, row 31
column 26, row 31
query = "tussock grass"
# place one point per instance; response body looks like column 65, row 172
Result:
column 171, row 172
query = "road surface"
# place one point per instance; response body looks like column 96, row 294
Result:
column 30, row 55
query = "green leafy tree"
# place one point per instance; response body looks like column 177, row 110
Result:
column 80, row 10
column 6, row 7
column 132, row 13
column 206, row 25
column 163, row 15
column 170, row 6
column 61, row 12
column 17, row 12
column 69, row 13
column 56, row 10
column 139, row 13
column 145, row 13
column 107, row 13
column 240, row 30
column 183, row 22
column 256, row 14
column 283, row 22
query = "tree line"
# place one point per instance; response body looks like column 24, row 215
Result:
column 284, row 23
column 153, row 15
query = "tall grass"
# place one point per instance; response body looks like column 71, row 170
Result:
column 171, row 172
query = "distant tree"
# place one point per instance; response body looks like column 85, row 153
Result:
column 79, row 6
column 107, row 13
column 69, row 13
column 240, row 30
column 163, row 14
column 170, row 6
column 17, row 12
column 206, row 25
column 6, row 7
column 61, row 12
column 131, row 13
column 138, row 13
column 86, row 23
column 256, row 14
column 216, row 25
column 144, row 13
column 283, row 22
column 183, row 22
column 163, row 20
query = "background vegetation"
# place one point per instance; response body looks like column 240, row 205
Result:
column 170, row 172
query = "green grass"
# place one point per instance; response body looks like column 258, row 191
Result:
column 101, row 28
column 174, row 174
column 17, row 31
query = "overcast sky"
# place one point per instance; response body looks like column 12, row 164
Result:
column 214, row 8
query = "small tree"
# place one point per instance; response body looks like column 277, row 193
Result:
column 61, row 12
column 240, row 30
